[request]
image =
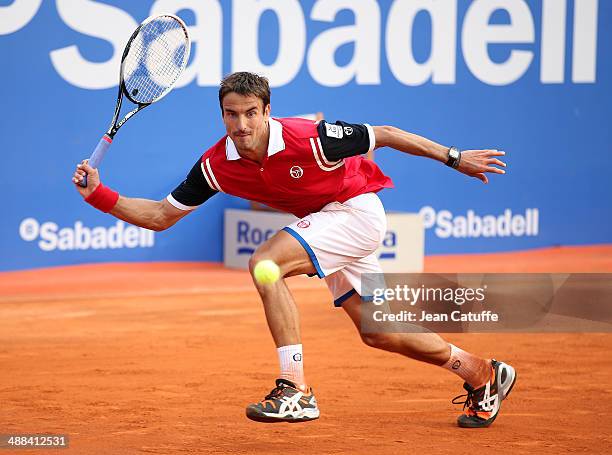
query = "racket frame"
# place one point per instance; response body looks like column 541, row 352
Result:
column 114, row 126
column 107, row 139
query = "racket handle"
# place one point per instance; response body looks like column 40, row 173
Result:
column 98, row 154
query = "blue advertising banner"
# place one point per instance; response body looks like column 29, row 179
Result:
column 527, row 77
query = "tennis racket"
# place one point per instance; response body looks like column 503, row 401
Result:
column 154, row 58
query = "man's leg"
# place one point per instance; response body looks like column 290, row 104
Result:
column 291, row 399
column 487, row 382
column 423, row 346
column 281, row 313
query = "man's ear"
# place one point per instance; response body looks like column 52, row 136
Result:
column 267, row 110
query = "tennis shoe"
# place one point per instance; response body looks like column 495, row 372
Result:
column 482, row 405
column 285, row 403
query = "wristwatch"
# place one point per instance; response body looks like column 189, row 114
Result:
column 454, row 157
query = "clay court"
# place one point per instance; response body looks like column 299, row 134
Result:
column 162, row 358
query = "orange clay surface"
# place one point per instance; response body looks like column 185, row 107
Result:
column 162, row 358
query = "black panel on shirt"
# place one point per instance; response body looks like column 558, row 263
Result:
column 342, row 140
column 194, row 190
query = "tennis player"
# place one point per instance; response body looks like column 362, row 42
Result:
column 316, row 171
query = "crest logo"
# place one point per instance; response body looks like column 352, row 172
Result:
column 296, row 172
column 333, row 130
column 348, row 130
column 303, row 224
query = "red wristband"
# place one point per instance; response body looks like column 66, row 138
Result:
column 103, row 198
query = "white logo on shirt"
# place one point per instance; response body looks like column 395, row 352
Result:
column 334, row 131
column 348, row 130
column 296, row 172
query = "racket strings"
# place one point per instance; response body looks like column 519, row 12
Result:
column 155, row 60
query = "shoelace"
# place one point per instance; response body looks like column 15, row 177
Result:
column 470, row 400
column 275, row 392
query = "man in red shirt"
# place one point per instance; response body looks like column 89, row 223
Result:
column 316, row 171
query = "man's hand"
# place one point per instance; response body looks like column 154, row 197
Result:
column 93, row 178
column 476, row 162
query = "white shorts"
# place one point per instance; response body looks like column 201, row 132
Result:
column 341, row 240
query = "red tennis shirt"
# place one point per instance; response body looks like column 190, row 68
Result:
column 308, row 165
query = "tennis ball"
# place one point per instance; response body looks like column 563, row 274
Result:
column 266, row 272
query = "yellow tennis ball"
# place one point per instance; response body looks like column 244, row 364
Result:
column 266, row 272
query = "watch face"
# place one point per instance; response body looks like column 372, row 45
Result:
column 454, row 155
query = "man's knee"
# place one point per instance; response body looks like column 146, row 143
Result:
column 288, row 254
column 263, row 253
column 258, row 256
column 378, row 340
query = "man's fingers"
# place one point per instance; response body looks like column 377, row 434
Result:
column 494, row 170
column 486, row 152
column 82, row 169
column 482, row 177
column 85, row 167
column 496, row 161
column 480, row 162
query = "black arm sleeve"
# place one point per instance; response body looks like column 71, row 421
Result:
column 342, row 140
column 194, row 190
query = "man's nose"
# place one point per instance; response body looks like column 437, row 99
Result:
column 241, row 122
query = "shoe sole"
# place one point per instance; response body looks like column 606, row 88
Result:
column 487, row 423
column 258, row 416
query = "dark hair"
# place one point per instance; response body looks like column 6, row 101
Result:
column 244, row 83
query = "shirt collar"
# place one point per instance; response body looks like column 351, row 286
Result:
column 276, row 142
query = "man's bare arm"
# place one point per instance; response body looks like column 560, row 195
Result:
column 474, row 163
column 146, row 213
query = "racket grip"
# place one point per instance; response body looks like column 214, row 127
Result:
column 98, row 154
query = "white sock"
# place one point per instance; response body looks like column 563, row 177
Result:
column 472, row 369
column 291, row 364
